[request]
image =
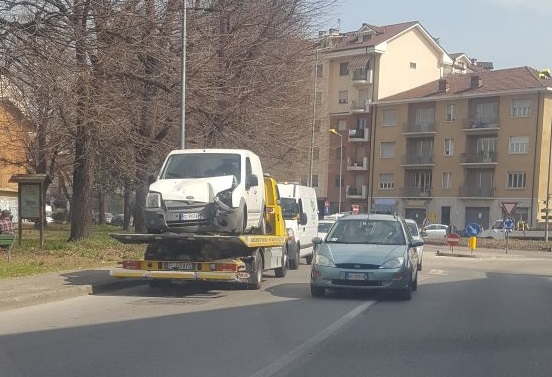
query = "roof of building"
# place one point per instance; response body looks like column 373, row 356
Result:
column 484, row 82
column 379, row 34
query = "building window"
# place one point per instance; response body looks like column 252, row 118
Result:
column 343, row 96
column 521, row 108
column 314, row 180
column 319, row 70
column 519, row 145
column 451, row 112
column 342, row 125
column 337, row 180
column 449, row 147
column 386, row 182
column 516, row 180
column 447, row 180
column 387, row 150
column 343, row 69
column 412, row 65
column 389, row 117
column 425, row 116
column 316, row 153
column 318, row 98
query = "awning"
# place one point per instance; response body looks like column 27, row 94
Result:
column 359, row 62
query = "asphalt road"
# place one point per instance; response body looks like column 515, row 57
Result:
column 487, row 316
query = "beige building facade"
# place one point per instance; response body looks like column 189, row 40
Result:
column 465, row 148
column 354, row 70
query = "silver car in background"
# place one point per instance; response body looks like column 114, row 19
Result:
column 366, row 252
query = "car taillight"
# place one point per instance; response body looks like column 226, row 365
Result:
column 131, row 265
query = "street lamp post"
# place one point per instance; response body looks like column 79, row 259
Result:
column 183, row 78
column 333, row 131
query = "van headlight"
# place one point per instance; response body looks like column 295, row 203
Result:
column 322, row 260
column 225, row 197
column 153, row 200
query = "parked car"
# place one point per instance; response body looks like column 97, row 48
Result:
column 416, row 235
column 119, row 219
column 366, row 252
column 434, row 231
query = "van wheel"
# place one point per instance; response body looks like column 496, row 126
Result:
column 294, row 262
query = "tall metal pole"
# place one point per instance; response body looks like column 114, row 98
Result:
column 548, row 187
column 313, row 119
column 340, row 168
column 183, row 78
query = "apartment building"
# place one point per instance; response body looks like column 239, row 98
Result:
column 354, row 70
column 12, row 150
column 464, row 148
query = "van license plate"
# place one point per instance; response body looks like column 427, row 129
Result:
column 356, row 276
column 189, row 216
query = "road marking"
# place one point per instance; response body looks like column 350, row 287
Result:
column 311, row 343
column 437, row 272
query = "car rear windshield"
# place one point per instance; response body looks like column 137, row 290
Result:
column 413, row 229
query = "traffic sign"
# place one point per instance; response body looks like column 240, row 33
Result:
column 473, row 229
column 508, row 223
column 453, row 239
column 508, row 207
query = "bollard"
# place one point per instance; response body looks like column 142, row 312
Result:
column 472, row 243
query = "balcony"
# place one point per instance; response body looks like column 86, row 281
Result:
column 417, row 192
column 359, row 107
column 362, row 76
column 412, row 129
column 359, row 135
column 356, row 164
column 479, row 158
column 417, row 160
column 481, row 126
column 477, row 192
column 353, row 192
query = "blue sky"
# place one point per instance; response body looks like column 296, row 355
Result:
column 510, row 33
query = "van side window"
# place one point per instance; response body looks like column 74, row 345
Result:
column 248, row 169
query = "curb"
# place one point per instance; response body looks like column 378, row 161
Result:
column 64, row 292
column 440, row 253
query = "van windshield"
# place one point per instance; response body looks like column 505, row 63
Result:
column 202, row 165
column 290, row 208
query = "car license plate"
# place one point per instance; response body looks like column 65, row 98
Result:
column 356, row 276
column 189, row 216
column 179, row 266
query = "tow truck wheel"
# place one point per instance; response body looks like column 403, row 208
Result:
column 256, row 278
column 280, row 272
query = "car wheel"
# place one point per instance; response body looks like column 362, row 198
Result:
column 420, row 266
column 414, row 284
column 406, row 293
column 317, row 291
column 282, row 271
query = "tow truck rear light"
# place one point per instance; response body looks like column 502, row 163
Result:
column 227, row 267
column 131, row 264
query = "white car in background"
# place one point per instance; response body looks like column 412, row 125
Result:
column 416, row 236
column 324, row 226
column 435, row 231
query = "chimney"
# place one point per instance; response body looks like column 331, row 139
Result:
column 476, row 82
column 443, row 86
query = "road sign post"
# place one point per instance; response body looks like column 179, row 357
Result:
column 508, row 224
column 453, row 239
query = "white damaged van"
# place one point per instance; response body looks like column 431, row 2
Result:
column 300, row 210
column 207, row 191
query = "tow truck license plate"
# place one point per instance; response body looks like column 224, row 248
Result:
column 179, row 266
column 189, row 216
column 356, row 276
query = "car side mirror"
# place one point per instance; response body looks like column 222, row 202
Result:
column 417, row 243
column 303, row 218
column 317, row 240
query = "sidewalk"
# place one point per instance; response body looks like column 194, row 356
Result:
column 37, row 289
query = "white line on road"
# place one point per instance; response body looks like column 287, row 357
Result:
column 308, row 345
column 437, row 272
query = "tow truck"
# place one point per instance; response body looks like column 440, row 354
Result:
column 238, row 259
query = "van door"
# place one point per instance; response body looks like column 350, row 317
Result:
column 253, row 195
